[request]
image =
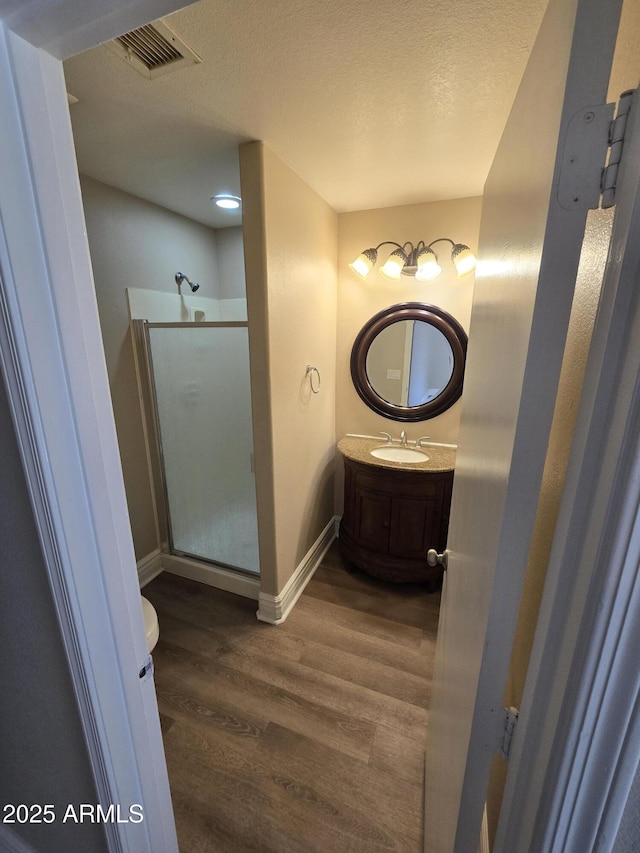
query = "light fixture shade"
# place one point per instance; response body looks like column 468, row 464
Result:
column 392, row 268
column 226, row 201
column 365, row 262
column 463, row 259
column 427, row 266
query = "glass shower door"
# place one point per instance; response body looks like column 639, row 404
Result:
column 200, row 375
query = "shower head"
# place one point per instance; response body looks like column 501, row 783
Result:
column 180, row 277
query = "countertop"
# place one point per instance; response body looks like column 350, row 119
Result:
column 358, row 448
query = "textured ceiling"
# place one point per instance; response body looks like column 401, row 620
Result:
column 373, row 103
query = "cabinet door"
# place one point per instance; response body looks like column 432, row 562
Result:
column 372, row 513
column 415, row 526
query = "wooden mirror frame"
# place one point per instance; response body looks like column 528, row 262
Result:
column 445, row 323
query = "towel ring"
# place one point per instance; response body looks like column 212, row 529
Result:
column 310, row 371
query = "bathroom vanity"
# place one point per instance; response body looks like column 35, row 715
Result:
column 407, row 364
column 395, row 511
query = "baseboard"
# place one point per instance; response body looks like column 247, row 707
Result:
column 275, row 608
column 216, row 576
column 149, row 567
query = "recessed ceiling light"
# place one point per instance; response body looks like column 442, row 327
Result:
column 228, row 202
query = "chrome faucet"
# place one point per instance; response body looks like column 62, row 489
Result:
column 421, row 439
column 403, row 438
column 387, row 436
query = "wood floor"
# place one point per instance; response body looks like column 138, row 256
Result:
column 304, row 737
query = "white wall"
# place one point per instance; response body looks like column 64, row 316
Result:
column 158, row 307
column 136, row 244
column 230, row 253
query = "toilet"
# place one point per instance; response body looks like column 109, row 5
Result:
column 150, row 623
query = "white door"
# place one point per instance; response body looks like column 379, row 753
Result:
column 530, row 241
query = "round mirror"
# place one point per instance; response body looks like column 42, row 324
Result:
column 407, row 363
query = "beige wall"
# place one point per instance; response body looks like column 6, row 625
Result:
column 290, row 237
column 134, row 243
column 388, row 351
column 359, row 300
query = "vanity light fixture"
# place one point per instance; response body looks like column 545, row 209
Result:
column 419, row 261
column 226, row 201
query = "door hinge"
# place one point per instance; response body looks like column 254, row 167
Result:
column 592, row 152
column 146, row 670
column 616, row 143
column 509, row 721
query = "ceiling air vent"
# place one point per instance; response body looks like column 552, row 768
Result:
column 154, row 50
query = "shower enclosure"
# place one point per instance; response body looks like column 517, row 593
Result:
column 198, row 413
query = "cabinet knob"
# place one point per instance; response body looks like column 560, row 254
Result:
column 433, row 558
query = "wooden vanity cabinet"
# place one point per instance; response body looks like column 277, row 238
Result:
column 392, row 517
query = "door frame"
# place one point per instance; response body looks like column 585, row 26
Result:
column 576, row 749
column 523, row 304
column 54, row 368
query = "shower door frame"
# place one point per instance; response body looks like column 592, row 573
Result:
column 155, row 453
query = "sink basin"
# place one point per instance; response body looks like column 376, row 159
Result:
column 399, row 454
